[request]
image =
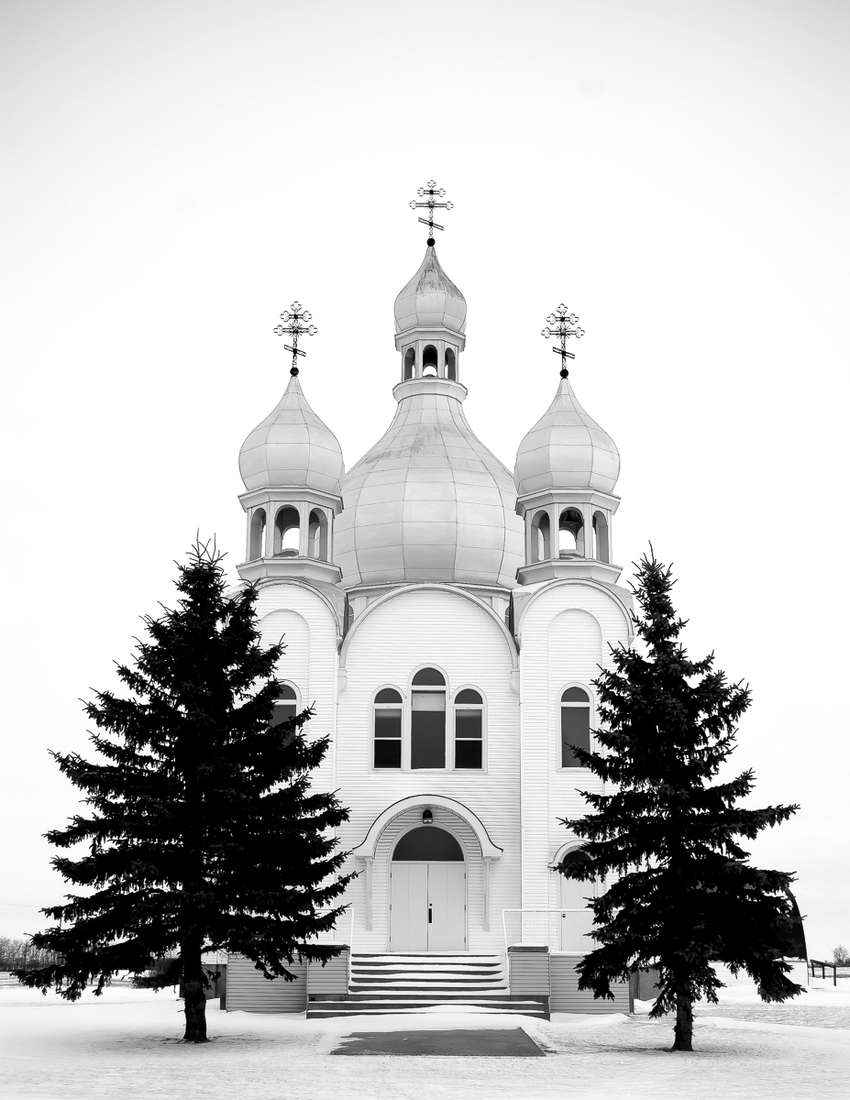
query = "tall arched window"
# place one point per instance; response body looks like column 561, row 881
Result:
column 428, row 720
column 570, row 533
column 409, row 363
column 258, row 534
column 286, row 705
column 387, row 728
column 469, row 729
column 287, row 527
column 451, row 365
column 429, row 362
column 540, row 540
column 318, row 535
column 575, row 725
column 601, row 550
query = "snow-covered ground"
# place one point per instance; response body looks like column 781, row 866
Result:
column 123, row 1046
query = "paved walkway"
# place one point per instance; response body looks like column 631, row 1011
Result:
column 485, row 1043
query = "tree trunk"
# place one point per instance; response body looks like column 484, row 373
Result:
column 684, row 1030
column 194, row 994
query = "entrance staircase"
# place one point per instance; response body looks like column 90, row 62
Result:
column 382, row 984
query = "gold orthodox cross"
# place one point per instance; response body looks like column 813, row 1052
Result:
column 561, row 324
column 295, row 324
column 433, row 193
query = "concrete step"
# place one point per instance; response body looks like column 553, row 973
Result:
column 422, row 989
column 357, row 1006
column 425, row 982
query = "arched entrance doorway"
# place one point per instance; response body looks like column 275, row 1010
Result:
column 427, row 892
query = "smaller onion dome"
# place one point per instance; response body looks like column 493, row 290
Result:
column 292, row 448
column 566, row 450
column 430, row 300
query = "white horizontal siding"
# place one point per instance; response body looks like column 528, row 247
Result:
column 565, row 995
column 566, row 633
column 443, row 628
column 330, row 979
column 529, row 973
column 249, row 991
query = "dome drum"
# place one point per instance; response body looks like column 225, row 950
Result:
column 290, row 535
column 430, row 354
column 568, row 534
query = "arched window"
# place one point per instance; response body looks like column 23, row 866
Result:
column 451, row 365
column 318, row 535
column 540, row 540
column 286, row 705
column 287, row 527
column 575, row 725
column 258, row 534
column 387, row 727
column 570, row 533
column 409, row 364
column 469, row 729
column 429, row 362
column 428, row 720
column 428, row 844
column 601, row 550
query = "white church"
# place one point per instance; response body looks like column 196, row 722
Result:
column 446, row 618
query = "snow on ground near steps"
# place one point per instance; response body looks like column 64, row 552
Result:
column 122, row 1046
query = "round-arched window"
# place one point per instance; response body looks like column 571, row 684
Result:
column 429, row 362
column 387, row 728
column 469, row 729
column 286, row 705
column 575, row 725
column 428, row 719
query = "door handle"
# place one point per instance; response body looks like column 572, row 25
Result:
column 430, row 915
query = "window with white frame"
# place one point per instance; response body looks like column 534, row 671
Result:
column 387, row 722
column 428, row 720
column 424, row 732
column 286, row 705
column 575, row 725
column 469, row 729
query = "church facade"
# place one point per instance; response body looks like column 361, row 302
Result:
column 445, row 618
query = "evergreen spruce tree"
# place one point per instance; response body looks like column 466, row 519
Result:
column 204, row 834
column 684, row 894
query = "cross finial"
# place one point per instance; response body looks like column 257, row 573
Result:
column 562, row 325
column 431, row 193
column 294, row 325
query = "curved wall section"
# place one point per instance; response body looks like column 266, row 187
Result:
column 293, row 630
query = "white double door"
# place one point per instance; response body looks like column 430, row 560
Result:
column 427, row 906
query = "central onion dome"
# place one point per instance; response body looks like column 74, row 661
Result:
column 566, row 449
column 430, row 300
column 292, row 447
column 429, row 502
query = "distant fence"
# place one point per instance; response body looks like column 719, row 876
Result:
column 817, row 964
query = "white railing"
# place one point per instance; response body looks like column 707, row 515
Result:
column 564, row 930
column 350, row 945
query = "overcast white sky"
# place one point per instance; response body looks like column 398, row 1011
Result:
column 177, row 173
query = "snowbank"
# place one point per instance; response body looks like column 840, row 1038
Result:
column 124, row 1044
